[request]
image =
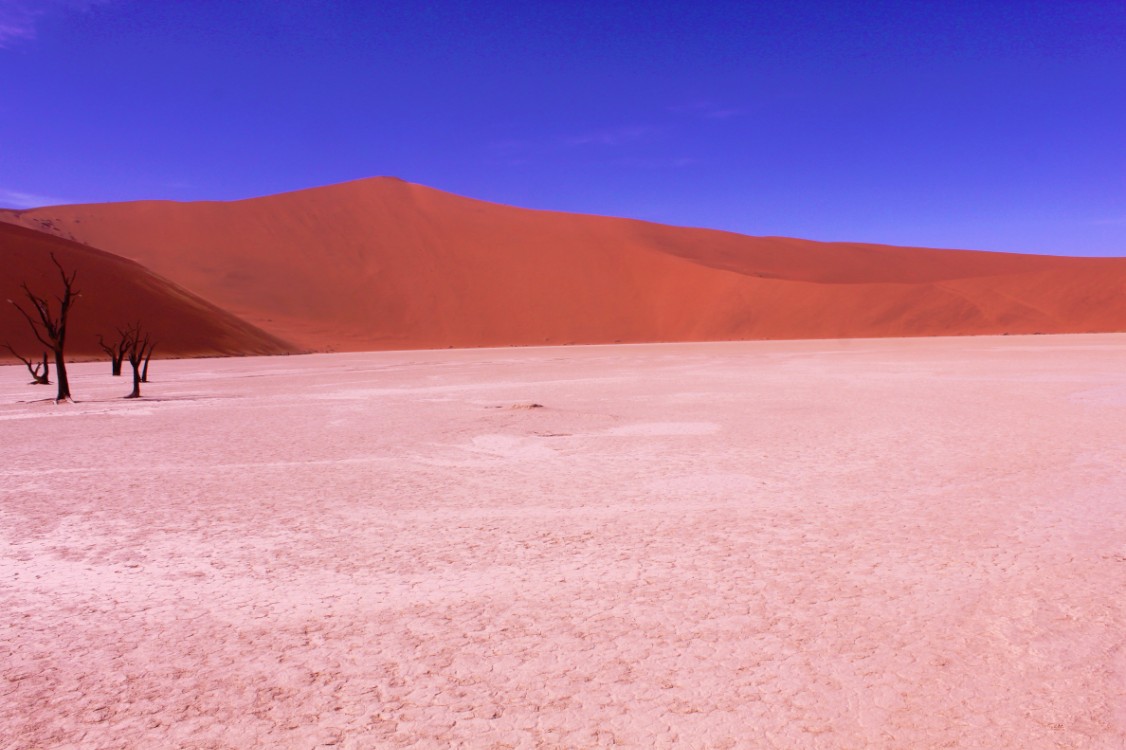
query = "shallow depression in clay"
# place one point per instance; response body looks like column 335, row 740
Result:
column 839, row 544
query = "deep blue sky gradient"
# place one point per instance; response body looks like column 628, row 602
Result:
column 984, row 125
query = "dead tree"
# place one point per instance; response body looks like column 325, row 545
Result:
column 115, row 351
column 40, row 371
column 148, row 356
column 139, row 351
column 49, row 326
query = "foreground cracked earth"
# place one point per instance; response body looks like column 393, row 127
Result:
column 893, row 544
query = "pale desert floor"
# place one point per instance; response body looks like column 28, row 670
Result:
column 834, row 544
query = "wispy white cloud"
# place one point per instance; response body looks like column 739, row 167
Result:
column 17, row 21
column 11, row 31
column 18, row 18
column 18, row 199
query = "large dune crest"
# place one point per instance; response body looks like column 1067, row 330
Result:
column 381, row 263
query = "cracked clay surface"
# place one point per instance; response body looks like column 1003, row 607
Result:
column 831, row 544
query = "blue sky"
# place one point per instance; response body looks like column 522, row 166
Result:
column 983, row 125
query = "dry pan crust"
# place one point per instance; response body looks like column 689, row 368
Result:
column 896, row 544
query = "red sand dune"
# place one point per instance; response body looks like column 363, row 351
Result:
column 115, row 292
column 382, row 263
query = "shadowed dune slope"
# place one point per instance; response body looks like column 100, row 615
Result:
column 114, row 292
column 382, row 263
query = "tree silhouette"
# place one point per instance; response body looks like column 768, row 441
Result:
column 138, row 348
column 148, row 356
column 40, row 371
column 49, row 326
column 115, row 351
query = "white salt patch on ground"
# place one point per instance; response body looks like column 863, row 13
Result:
column 896, row 544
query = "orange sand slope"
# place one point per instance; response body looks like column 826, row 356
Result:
column 382, row 263
column 115, row 292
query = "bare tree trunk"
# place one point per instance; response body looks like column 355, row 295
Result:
column 138, row 345
column 116, row 352
column 136, row 380
column 63, row 392
column 148, row 356
column 50, row 328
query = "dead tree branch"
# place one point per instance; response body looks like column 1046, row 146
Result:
column 138, row 351
column 116, row 351
column 40, row 371
column 50, row 327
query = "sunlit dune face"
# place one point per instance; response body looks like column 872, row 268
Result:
column 114, row 293
column 384, row 264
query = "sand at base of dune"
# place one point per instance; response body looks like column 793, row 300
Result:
column 832, row 544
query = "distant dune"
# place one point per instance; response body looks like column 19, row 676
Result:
column 115, row 292
column 381, row 264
